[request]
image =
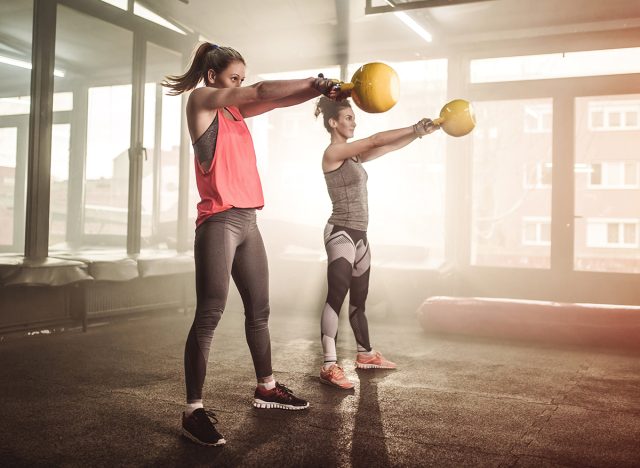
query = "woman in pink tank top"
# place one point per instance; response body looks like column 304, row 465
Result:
column 228, row 242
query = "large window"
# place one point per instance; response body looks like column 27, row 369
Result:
column 511, row 175
column 90, row 158
column 15, row 78
column 162, row 116
column 557, row 65
column 607, row 194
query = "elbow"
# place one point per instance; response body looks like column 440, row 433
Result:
column 261, row 91
column 376, row 141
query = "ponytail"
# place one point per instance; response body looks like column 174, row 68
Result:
column 207, row 57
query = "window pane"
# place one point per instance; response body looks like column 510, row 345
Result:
column 596, row 174
column 531, row 175
column 614, row 119
column 15, row 105
column 630, row 234
column 530, row 232
column 558, row 65
column 145, row 13
column 631, row 173
column 613, row 148
column 614, row 175
column 107, row 173
column 16, row 19
column 161, row 139
column 612, row 233
column 8, row 153
column 122, row 4
column 90, row 161
column 597, row 119
column 596, row 233
column 60, row 140
column 545, row 232
column 502, row 148
column 546, row 174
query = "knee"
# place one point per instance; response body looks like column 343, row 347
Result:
column 207, row 318
column 258, row 319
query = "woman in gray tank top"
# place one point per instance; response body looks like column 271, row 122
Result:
column 345, row 236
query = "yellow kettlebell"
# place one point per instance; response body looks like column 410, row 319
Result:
column 375, row 87
column 457, row 118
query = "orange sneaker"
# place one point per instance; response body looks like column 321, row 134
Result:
column 334, row 376
column 373, row 361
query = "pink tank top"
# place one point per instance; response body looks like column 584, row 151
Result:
column 232, row 179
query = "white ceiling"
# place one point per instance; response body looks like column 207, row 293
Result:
column 284, row 35
column 274, row 33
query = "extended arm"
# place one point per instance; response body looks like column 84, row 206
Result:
column 260, row 107
column 263, row 96
column 424, row 127
column 319, row 85
column 378, row 144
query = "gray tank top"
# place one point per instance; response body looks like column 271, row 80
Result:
column 347, row 188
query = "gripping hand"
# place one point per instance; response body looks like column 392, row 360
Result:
column 330, row 88
column 424, row 127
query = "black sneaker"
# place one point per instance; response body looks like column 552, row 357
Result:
column 279, row 397
column 199, row 427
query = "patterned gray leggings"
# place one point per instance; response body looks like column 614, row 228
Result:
column 349, row 265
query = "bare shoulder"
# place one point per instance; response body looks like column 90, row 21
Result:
column 200, row 94
column 335, row 148
column 329, row 163
column 342, row 151
column 199, row 114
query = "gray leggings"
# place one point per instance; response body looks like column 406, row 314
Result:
column 228, row 244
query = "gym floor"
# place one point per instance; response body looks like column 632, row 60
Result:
column 113, row 396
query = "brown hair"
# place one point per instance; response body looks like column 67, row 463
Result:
column 207, row 57
column 330, row 109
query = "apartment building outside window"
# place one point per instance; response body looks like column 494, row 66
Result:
column 538, row 118
column 536, row 231
column 613, row 116
column 612, row 233
column 614, row 175
column 538, row 175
